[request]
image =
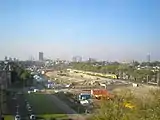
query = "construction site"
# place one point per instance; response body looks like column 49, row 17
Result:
column 88, row 88
column 85, row 80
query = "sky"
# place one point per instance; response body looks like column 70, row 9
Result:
column 114, row 30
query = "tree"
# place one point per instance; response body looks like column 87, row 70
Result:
column 144, row 109
column 123, row 71
column 135, row 63
column 19, row 74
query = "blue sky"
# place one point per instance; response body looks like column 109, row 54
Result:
column 102, row 29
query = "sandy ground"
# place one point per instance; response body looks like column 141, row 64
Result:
column 77, row 77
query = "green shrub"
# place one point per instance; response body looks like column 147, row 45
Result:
column 146, row 108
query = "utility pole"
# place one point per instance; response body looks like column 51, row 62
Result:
column 147, row 79
column 158, row 77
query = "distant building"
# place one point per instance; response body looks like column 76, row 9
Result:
column 148, row 58
column 10, row 59
column 14, row 59
column 6, row 58
column 40, row 56
column 31, row 58
column 77, row 59
column 91, row 60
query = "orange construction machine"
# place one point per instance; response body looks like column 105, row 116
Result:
column 101, row 94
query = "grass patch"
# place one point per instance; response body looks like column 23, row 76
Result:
column 67, row 99
column 8, row 117
column 48, row 116
column 44, row 116
column 43, row 104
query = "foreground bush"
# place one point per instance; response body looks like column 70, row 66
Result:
column 144, row 108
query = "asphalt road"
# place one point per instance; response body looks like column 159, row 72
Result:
column 16, row 104
column 11, row 104
column 22, row 107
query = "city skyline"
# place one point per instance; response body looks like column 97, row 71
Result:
column 41, row 57
column 104, row 30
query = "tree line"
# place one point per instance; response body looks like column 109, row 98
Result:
column 137, row 72
column 20, row 75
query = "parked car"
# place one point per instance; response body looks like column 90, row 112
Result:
column 29, row 109
column 29, row 91
column 17, row 117
column 32, row 117
column 27, row 105
column 36, row 90
column 33, row 89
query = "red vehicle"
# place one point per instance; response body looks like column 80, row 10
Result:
column 101, row 94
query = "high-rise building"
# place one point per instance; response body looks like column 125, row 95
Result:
column 10, row 59
column 148, row 58
column 14, row 59
column 77, row 59
column 91, row 60
column 6, row 58
column 40, row 56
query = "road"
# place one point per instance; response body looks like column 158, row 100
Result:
column 16, row 104
column 11, row 104
column 22, row 106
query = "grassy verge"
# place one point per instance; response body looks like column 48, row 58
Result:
column 42, row 104
column 9, row 117
column 48, row 116
column 43, row 107
column 67, row 99
column 44, row 116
